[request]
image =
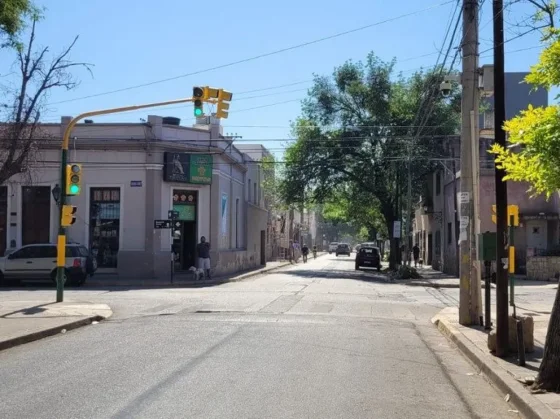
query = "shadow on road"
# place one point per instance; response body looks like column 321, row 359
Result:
column 364, row 275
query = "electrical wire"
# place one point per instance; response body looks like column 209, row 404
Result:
column 256, row 57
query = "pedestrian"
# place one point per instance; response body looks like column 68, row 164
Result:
column 416, row 254
column 203, row 250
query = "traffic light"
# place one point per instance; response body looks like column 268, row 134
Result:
column 512, row 211
column 73, row 179
column 68, row 217
column 198, row 95
column 223, row 104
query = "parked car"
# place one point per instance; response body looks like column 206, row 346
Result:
column 332, row 247
column 35, row 262
column 343, row 249
column 368, row 257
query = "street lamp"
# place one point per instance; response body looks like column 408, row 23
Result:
column 56, row 194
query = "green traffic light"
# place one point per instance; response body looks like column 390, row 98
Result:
column 74, row 189
column 197, row 112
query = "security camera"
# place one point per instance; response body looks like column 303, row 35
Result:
column 445, row 88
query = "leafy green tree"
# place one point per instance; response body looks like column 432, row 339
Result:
column 12, row 17
column 534, row 157
column 361, row 127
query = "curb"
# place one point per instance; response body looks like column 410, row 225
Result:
column 179, row 283
column 528, row 405
column 20, row 340
column 436, row 285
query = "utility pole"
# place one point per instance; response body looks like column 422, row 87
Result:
column 408, row 211
column 469, row 307
column 502, row 314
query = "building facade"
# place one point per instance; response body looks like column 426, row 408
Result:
column 436, row 222
column 133, row 175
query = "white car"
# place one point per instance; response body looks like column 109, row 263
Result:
column 332, row 247
column 38, row 262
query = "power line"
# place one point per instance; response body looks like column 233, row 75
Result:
column 256, row 57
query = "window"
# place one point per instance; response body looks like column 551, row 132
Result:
column 449, row 233
column 24, row 253
column 104, row 225
column 438, row 183
column 255, row 193
column 249, row 190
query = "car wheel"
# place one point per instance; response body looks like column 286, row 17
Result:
column 2, row 282
column 66, row 277
column 378, row 268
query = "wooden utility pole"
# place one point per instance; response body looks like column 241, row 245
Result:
column 469, row 307
column 502, row 332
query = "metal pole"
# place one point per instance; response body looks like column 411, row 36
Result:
column 502, row 314
column 469, row 310
column 487, row 295
column 61, row 240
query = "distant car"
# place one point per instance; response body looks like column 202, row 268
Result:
column 343, row 249
column 38, row 262
column 332, row 247
column 368, row 257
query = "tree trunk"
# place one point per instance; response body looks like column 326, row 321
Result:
column 392, row 248
column 549, row 371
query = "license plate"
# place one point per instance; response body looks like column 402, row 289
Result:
column 367, row 262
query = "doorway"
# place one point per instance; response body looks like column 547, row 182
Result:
column 185, row 229
column 263, row 247
column 429, row 258
column 35, row 214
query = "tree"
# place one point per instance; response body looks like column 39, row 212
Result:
column 25, row 98
column 360, row 127
column 534, row 157
column 271, row 184
column 12, row 17
column 542, row 17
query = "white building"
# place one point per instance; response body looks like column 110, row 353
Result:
column 133, row 174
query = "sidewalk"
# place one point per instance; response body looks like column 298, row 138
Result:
column 437, row 279
column 180, row 279
column 505, row 373
column 25, row 321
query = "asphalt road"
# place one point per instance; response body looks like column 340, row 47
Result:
column 318, row 340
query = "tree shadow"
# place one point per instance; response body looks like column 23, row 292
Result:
column 362, row 275
column 28, row 311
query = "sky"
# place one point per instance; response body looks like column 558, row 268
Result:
column 136, row 42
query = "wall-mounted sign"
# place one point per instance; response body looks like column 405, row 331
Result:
column 135, row 183
column 187, row 168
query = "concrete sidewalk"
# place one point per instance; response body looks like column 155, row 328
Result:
column 25, row 321
column 505, row 373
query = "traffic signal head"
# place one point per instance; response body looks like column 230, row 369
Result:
column 198, row 96
column 223, row 105
column 68, row 217
column 73, row 179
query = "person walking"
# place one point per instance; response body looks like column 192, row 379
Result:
column 203, row 250
column 416, row 254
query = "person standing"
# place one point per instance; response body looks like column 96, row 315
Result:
column 203, row 250
column 416, row 254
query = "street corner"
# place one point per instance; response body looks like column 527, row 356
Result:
column 27, row 321
column 472, row 341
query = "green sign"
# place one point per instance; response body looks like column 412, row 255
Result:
column 186, row 212
column 201, row 169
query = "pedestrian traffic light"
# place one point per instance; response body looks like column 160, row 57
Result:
column 198, row 96
column 68, row 217
column 223, row 104
column 73, row 179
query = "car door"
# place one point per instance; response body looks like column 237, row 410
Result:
column 19, row 264
column 45, row 261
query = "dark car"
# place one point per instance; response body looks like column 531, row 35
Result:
column 368, row 257
column 343, row 249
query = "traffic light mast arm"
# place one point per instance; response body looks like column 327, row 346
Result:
column 75, row 120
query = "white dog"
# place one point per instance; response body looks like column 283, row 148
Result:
column 198, row 273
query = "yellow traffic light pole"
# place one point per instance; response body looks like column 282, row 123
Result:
column 61, row 240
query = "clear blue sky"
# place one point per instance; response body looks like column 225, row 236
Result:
column 132, row 42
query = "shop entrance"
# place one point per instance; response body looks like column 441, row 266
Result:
column 185, row 229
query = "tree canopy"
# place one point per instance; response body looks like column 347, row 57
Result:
column 359, row 128
column 534, row 135
column 13, row 14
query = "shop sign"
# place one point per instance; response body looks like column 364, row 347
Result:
column 187, row 168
